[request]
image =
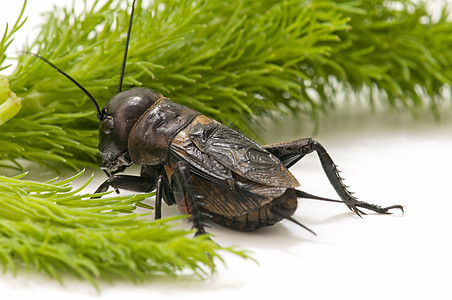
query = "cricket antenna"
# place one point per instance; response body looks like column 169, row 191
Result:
column 99, row 113
column 126, row 49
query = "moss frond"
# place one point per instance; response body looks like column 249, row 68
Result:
column 53, row 228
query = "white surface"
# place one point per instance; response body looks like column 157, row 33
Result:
column 386, row 160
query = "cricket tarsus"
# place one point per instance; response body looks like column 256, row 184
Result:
column 355, row 202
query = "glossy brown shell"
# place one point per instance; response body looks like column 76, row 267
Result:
column 152, row 134
column 232, row 174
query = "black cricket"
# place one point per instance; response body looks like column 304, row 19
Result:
column 204, row 167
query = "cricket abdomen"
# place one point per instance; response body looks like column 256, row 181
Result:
column 263, row 216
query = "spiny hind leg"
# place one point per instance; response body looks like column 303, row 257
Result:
column 291, row 152
column 357, row 203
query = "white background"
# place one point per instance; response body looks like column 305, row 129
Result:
column 387, row 159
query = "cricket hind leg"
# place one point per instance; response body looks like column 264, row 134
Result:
column 356, row 203
column 291, row 152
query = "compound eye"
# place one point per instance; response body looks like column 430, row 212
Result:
column 107, row 125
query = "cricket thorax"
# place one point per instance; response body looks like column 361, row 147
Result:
column 151, row 136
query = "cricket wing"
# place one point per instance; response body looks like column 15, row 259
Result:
column 229, row 186
column 239, row 154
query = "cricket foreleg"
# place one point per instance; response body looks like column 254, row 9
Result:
column 127, row 182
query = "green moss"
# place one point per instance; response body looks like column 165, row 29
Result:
column 54, row 228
